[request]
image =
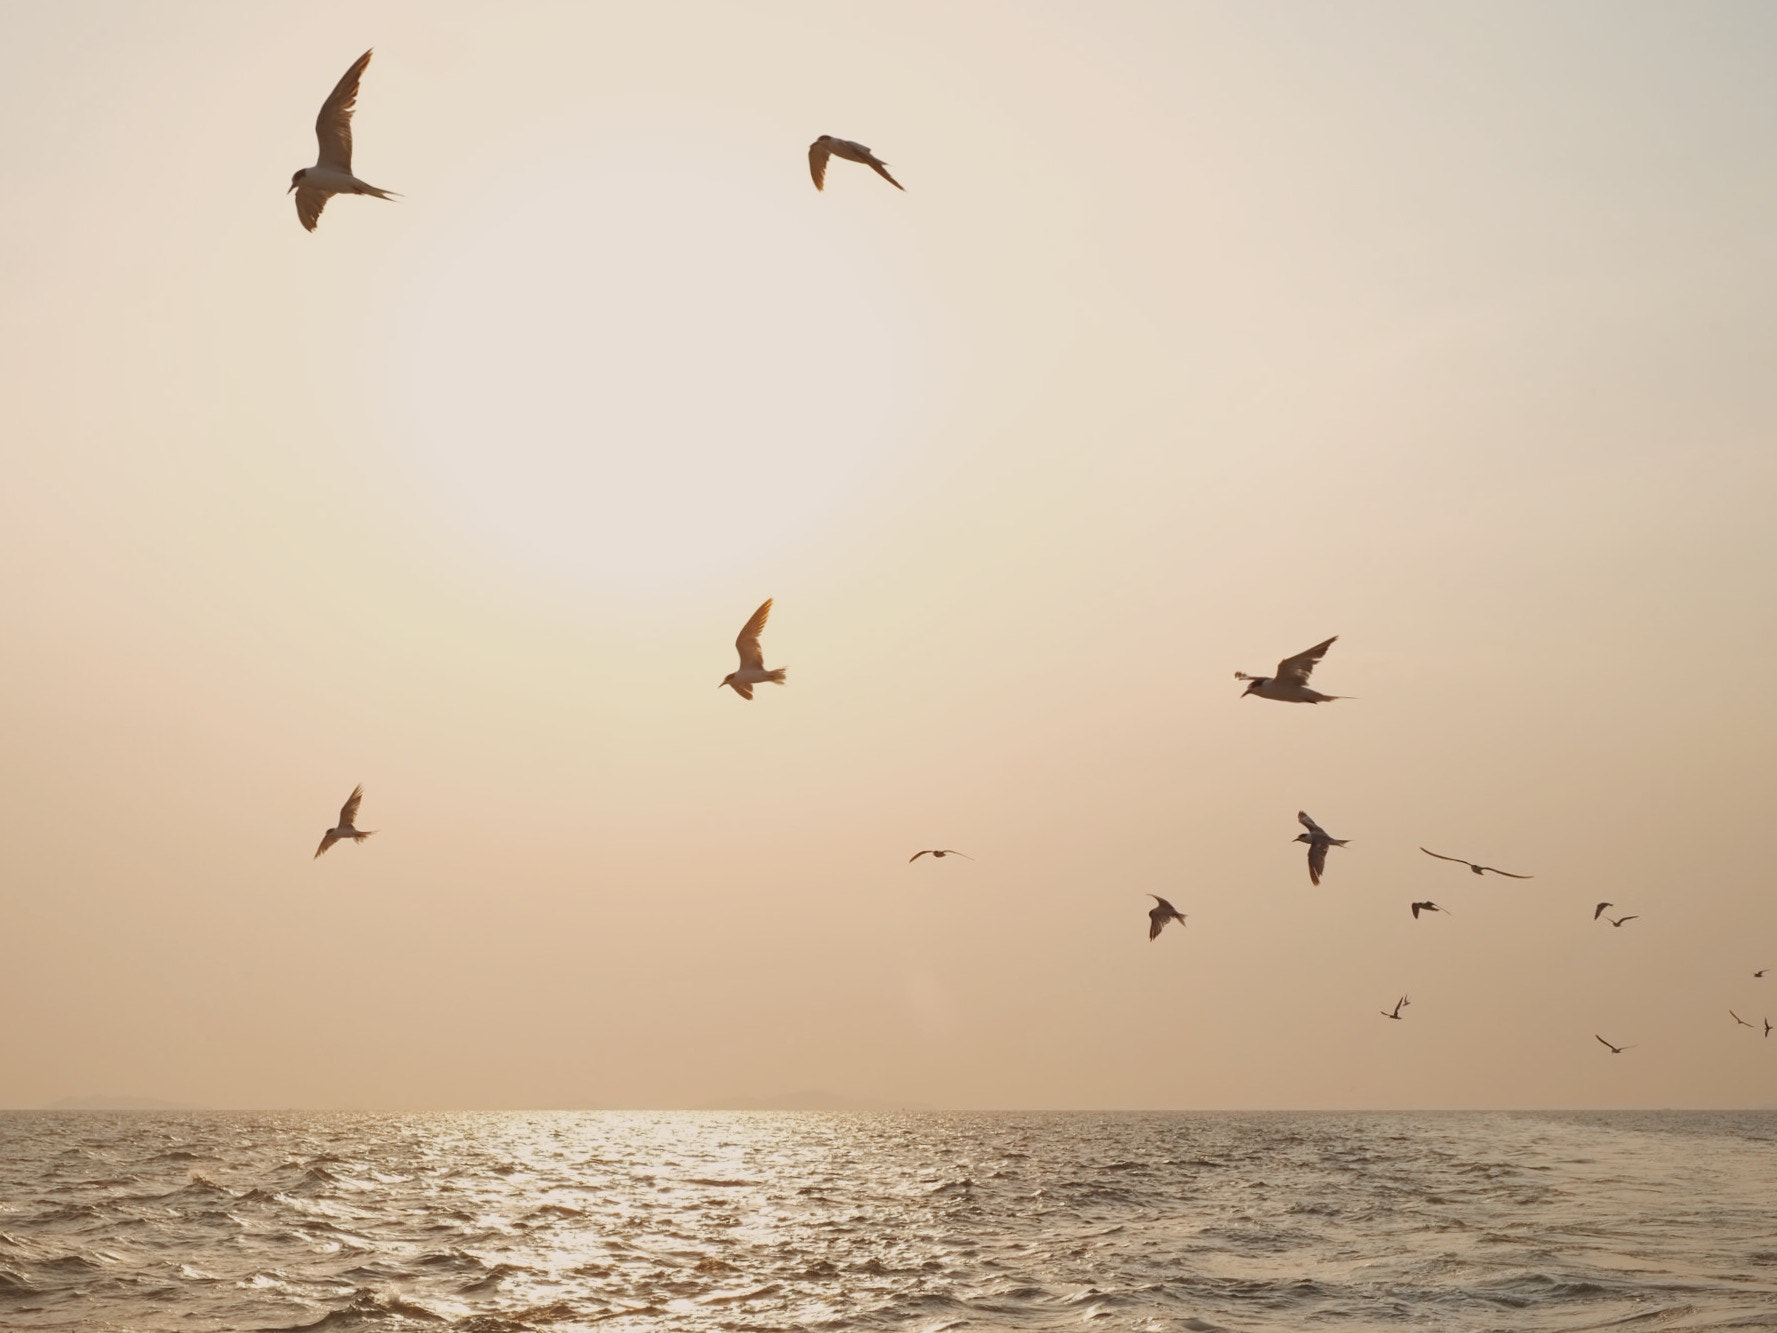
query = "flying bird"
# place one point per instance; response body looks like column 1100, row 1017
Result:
column 1767, row 1027
column 1159, row 916
column 1478, row 869
column 933, row 851
column 1616, row 1050
column 332, row 172
column 1761, row 972
column 1399, row 1005
column 1318, row 840
column 827, row 145
column 1619, row 920
column 1741, row 1021
column 347, row 813
column 1429, row 907
column 752, row 658
column 1290, row 684
column 1598, row 911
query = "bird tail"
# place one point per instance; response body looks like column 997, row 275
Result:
column 359, row 837
column 882, row 171
column 779, row 676
column 1338, row 842
column 380, row 194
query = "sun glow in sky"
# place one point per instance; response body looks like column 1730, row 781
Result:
column 1200, row 333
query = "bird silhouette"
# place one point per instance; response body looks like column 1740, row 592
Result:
column 1616, row 1050
column 1619, row 920
column 1741, row 1021
column 347, row 813
column 1429, row 907
column 1598, row 911
column 932, row 851
column 1399, row 1005
column 332, row 172
column 1159, row 916
column 1318, row 840
column 1290, row 684
column 1767, row 1027
column 1761, row 972
column 827, row 145
column 1478, row 869
column 752, row 658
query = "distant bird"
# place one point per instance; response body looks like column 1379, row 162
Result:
column 1399, row 1005
column 752, row 658
column 932, row 851
column 1598, row 911
column 1429, row 907
column 1159, row 916
column 826, row 145
column 1741, row 1021
column 1761, row 972
column 1472, row 866
column 1290, row 684
column 347, row 813
column 1318, row 840
column 1616, row 1050
column 1767, row 1027
column 1619, row 920
column 332, row 172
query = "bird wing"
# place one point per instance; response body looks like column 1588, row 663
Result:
column 951, row 851
column 882, row 170
column 1164, row 905
column 333, row 127
column 1317, row 860
column 916, row 856
column 326, row 842
column 817, row 163
column 1156, row 922
column 1310, row 825
column 1598, row 911
column 1416, row 907
column 1508, row 874
column 1736, row 1017
column 744, row 691
column 747, row 645
column 1605, row 1042
column 1295, row 670
column 1619, row 921
column 1459, row 861
column 349, row 811
column 309, row 204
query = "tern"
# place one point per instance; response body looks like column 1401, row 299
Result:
column 1318, row 840
column 752, row 658
column 933, row 851
column 827, row 145
column 1478, row 869
column 347, row 813
column 1428, row 907
column 1290, row 684
column 1616, row 1050
column 332, row 172
column 1399, row 1005
column 1598, row 911
column 1619, row 920
column 1159, row 916
column 1741, row 1021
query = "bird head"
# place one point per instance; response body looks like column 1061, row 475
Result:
column 297, row 179
column 1302, row 837
column 726, row 680
column 1252, row 685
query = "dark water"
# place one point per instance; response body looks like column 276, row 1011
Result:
column 502, row 1223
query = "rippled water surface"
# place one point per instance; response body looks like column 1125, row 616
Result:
column 500, row 1223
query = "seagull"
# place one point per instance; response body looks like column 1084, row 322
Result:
column 1598, row 911
column 1616, row 1050
column 1428, row 907
column 1741, row 1021
column 347, row 813
column 332, row 172
column 933, row 851
column 1318, row 840
column 1159, row 916
column 1290, row 684
column 1618, row 920
column 827, row 145
column 1472, row 866
column 752, row 658
column 1399, row 1005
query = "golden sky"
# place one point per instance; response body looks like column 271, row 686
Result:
column 1201, row 332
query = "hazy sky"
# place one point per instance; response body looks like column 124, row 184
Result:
column 1202, row 332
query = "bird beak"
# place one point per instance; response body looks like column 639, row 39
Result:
column 292, row 187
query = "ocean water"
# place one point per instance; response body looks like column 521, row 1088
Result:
column 502, row 1223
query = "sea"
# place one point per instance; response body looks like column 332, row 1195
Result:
column 754, row 1221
